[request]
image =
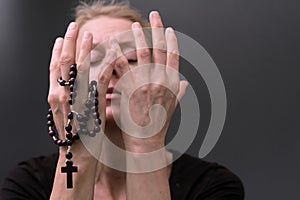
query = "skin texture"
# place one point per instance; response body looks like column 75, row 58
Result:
column 95, row 180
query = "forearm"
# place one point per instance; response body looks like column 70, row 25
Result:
column 149, row 173
column 152, row 185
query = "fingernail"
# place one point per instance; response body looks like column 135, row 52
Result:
column 155, row 14
column 58, row 40
column 72, row 26
column 170, row 29
column 86, row 35
column 136, row 25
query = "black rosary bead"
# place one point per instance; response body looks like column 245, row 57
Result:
column 69, row 142
column 49, row 117
column 95, row 93
column 75, row 137
column 73, row 94
column 90, row 89
column 82, row 124
column 55, row 141
column 98, row 121
column 95, row 102
column 94, row 109
column 96, row 115
column 69, row 155
column 93, row 83
column 92, row 133
column 50, row 123
column 88, row 103
column 51, row 133
column 97, row 129
column 69, row 163
column 87, row 112
column 83, row 131
column 70, row 115
column 80, row 118
column 71, row 81
column 72, row 87
column 69, row 136
column 72, row 74
column 61, row 81
column 68, row 127
column 59, row 142
column 73, row 68
column 71, row 101
column 63, row 143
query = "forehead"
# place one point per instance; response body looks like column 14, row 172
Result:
column 103, row 27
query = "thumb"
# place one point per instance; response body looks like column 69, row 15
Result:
column 182, row 88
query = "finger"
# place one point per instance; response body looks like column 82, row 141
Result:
column 143, row 52
column 172, row 49
column 54, row 87
column 158, row 38
column 182, row 88
column 67, row 57
column 83, row 69
column 121, row 63
column 54, row 63
column 107, row 66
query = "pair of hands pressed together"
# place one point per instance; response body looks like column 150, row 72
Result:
column 164, row 88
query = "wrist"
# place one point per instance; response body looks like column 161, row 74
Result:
column 148, row 162
column 144, row 145
column 79, row 152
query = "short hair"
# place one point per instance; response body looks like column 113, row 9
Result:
column 87, row 11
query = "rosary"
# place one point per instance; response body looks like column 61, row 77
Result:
column 91, row 112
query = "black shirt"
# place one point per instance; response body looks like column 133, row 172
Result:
column 191, row 179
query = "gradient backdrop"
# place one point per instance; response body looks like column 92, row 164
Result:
column 255, row 45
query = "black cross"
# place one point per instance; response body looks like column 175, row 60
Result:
column 69, row 169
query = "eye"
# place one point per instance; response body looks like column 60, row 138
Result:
column 95, row 63
column 130, row 60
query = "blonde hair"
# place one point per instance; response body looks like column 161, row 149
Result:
column 87, row 11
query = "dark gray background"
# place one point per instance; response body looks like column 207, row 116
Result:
column 255, row 44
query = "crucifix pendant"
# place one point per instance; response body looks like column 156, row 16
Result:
column 69, row 169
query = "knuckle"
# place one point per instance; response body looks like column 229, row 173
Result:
column 174, row 53
column 160, row 51
column 66, row 58
column 53, row 66
column 103, row 78
column 121, row 62
column 52, row 98
column 158, row 89
column 144, row 89
column 63, row 98
column 69, row 36
column 144, row 53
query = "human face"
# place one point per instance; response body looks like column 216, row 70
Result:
column 102, row 28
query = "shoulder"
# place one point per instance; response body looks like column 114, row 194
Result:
column 31, row 179
column 194, row 178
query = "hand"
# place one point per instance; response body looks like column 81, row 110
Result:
column 155, row 81
column 63, row 56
